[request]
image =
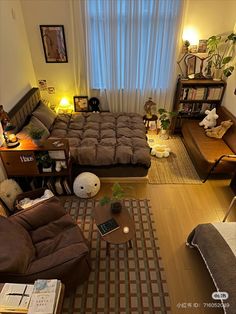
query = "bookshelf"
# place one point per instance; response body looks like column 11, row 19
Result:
column 22, row 163
column 193, row 97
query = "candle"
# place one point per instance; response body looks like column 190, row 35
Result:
column 12, row 138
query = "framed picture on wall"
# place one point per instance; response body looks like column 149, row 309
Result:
column 81, row 103
column 54, row 45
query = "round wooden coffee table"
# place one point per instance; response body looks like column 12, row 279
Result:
column 118, row 236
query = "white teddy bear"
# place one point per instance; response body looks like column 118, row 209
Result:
column 9, row 189
column 160, row 150
column 210, row 120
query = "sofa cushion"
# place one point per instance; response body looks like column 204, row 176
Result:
column 17, row 250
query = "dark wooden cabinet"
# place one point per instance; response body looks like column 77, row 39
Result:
column 23, row 160
column 193, row 97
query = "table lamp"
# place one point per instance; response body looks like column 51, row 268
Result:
column 64, row 105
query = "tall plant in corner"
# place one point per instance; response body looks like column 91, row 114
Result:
column 221, row 51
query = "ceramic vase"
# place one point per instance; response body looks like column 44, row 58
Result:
column 218, row 73
column 38, row 142
column 164, row 134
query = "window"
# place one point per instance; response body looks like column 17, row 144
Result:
column 130, row 43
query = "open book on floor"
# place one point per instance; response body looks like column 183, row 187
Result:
column 15, row 298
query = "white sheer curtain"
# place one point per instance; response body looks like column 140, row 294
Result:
column 128, row 50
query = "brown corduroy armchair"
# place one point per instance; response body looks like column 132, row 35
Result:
column 44, row 242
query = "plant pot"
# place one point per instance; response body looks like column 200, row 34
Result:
column 164, row 134
column 38, row 142
column 218, row 73
column 116, row 207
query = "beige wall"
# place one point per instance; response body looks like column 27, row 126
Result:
column 17, row 73
column 58, row 75
column 211, row 17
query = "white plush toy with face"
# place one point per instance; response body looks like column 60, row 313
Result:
column 86, row 185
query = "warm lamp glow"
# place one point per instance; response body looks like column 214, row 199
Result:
column 64, row 102
column 191, row 35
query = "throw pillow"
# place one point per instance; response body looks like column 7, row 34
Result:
column 220, row 130
column 27, row 202
column 35, row 124
column 44, row 114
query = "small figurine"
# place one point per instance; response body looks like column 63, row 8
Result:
column 149, row 107
column 4, row 118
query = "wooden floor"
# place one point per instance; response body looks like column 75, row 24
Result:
column 178, row 209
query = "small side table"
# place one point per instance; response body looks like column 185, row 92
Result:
column 147, row 120
column 103, row 213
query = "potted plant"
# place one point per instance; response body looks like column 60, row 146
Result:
column 36, row 135
column 116, row 199
column 221, row 51
column 165, row 120
column 45, row 161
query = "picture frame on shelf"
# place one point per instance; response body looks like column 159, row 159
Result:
column 54, row 44
column 81, row 103
column 202, row 46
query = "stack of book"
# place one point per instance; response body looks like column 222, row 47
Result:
column 41, row 298
column 45, row 297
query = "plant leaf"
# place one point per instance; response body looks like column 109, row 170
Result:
column 226, row 60
column 228, row 71
column 105, row 200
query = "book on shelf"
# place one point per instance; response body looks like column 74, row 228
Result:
column 58, row 186
column 205, row 106
column 214, row 93
column 45, row 296
column 15, row 298
column 193, row 93
column 66, row 186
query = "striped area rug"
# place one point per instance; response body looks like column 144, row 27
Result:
column 128, row 281
column 175, row 169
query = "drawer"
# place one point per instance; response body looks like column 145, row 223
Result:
column 19, row 163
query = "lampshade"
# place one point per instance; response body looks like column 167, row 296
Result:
column 191, row 35
column 9, row 127
column 64, row 103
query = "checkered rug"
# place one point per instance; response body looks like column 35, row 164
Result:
column 128, row 281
